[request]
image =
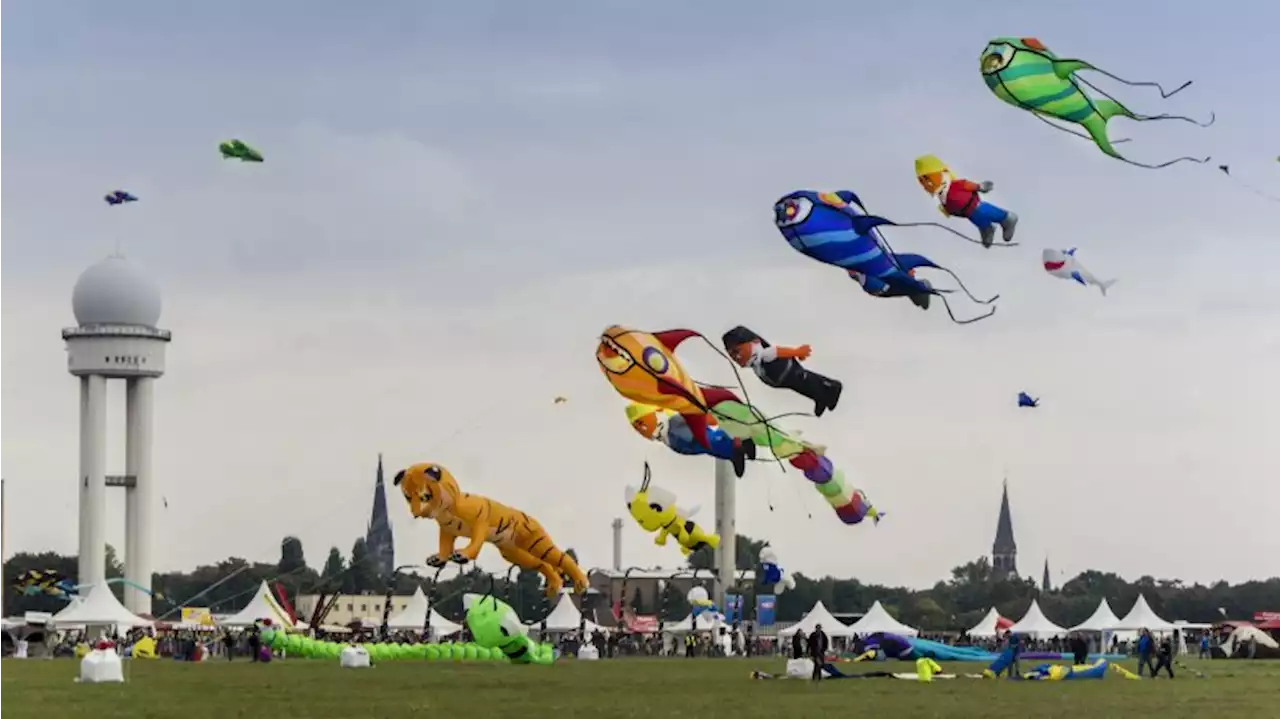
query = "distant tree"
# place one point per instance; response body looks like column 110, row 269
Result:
column 673, row 605
column 334, row 566
column 291, row 557
column 362, row 575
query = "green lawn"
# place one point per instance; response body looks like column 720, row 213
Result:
column 618, row 689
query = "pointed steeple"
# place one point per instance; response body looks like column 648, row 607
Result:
column 1004, row 551
column 1044, row 582
column 378, row 538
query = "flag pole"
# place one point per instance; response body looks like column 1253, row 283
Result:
column 4, row 587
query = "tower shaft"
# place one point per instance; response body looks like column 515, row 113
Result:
column 139, row 498
column 726, row 526
column 93, row 479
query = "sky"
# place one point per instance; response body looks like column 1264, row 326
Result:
column 458, row 198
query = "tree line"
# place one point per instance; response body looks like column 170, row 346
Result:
column 955, row 603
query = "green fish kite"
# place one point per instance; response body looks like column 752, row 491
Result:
column 238, row 150
column 495, row 625
column 1026, row 74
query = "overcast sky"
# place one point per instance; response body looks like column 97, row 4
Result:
column 458, row 197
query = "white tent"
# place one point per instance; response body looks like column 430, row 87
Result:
column 566, row 617
column 1036, row 624
column 100, row 607
column 1141, row 617
column 878, row 619
column 704, row 623
column 831, row 626
column 262, row 606
column 1102, row 619
column 414, row 615
column 986, row 627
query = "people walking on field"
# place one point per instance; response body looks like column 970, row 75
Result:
column 818, row 644
column 798, row 645
column 1146, row 647
column 1165, row 658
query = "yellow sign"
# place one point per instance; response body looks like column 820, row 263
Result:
column 197, row 615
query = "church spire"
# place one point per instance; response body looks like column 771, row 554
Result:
column 378, row 538
column 1044, row 582
column 1004, row 551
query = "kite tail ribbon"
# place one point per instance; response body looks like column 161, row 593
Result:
column 850, row 504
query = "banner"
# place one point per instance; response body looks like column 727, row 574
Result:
column 732, row 608
column 642, row 624
column 766, row 604
column 197, row 615
column 1261, row 617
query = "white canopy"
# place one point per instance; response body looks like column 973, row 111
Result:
column 704, row 623
column 99, row 607
column 262, row 606
column 986, row 627
column 414, row 616
column 1141, row 617
column 566, row 617
column 1036, row 624
column 878, row 619
column 831, row 626
column 1102, row 619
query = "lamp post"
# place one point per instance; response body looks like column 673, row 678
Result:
column 386, row 603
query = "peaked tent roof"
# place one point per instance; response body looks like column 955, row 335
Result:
column 262, row 606
column 1102, row 619
column 98, row 608
column 989, row 626
column 414, row 615
column 566, row 617
column 1036, row 624
column 831, row 626
column 878, row 619
column 1141, row 617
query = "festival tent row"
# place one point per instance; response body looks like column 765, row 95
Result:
column 876, row 620
column 990, row 625
column 99, row 608
column 565, row 617
column 414, row 616
column 262, row 606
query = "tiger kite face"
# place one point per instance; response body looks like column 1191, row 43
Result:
column 428, row 488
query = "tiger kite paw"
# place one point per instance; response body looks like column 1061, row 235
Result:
column 436, row 561
column 459, row 558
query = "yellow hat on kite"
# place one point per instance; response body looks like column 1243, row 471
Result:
column 635, row 411
column 929, row 164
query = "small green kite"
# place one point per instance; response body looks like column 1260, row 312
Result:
column 238, row 150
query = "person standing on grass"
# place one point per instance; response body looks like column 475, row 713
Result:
column 818, row 644
column 255, row 643
column 1204, row 646
column 798, row 644
column 1165, row 657
column 1079, row 648
column 1146, row 647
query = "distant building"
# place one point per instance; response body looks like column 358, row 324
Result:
column 1004, row 551
column 378, row 538
column 365, row 609
column 1044, row 582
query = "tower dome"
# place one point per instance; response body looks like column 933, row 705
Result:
column 115, row 292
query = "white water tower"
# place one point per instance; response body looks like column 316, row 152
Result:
column 117, row 308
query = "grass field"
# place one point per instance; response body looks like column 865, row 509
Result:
column 618, row 689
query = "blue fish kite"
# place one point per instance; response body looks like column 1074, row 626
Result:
column 119, row 197
column 835, row 229
column 1026, row 400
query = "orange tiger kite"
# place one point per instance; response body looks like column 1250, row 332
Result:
column 433, row 493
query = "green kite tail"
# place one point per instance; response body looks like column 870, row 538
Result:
column 496, row 627
column 1024, row 73
column 743, row 421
